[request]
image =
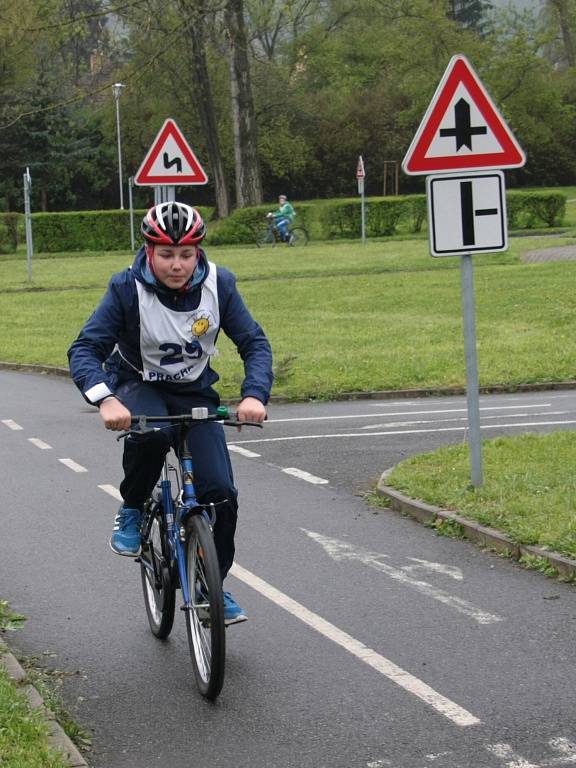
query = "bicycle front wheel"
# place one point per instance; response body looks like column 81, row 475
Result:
column 265, row 238
column 205, row 617
column 157, row 585
column 298, row 236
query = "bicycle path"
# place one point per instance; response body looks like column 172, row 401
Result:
column 345, row 604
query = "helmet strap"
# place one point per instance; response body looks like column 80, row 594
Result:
column 149, row 249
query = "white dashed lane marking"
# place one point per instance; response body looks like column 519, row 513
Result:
column 303, row 475
column 11, row 424
column 111, row 491
column 71, row 464
column 243, row 451
column 39, row 443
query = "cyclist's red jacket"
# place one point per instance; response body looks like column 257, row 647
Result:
column 109, row 342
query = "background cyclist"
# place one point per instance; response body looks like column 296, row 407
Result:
column 283, row 217
column 147, row 349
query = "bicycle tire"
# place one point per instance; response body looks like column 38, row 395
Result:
column 205, row 618
column 298, row 236
column 157, row 585
column 265, row 237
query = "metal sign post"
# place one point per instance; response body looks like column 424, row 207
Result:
column 130, row 187
column 28, row 222
column 472, row 385
column 360, row 176
column 164, row 194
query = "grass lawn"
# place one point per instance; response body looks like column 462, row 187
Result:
column 23, row 734
column 341, row 317
column 529, row 489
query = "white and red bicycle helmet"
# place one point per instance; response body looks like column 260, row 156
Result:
column 173, row 224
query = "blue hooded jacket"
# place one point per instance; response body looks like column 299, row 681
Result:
column 109, row 343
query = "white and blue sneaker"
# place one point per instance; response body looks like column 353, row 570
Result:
column 125, row 539
column 233, row 614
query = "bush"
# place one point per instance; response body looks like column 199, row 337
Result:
column 242, row 226
column 527, row 210
column 9, row 224
column 88, row 230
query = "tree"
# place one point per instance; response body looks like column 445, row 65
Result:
column 564, row 16
column 197, row 15
column 470, row 13
column 248, row 179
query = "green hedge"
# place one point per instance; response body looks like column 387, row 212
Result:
column 528, row 210
column 9, row 225
column 324, row 219
column 88, row 230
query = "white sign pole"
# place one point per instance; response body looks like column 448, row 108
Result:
column 362, row 208
column 130, row 203
column 28, row 222
column 360, row 176
column 472, row 383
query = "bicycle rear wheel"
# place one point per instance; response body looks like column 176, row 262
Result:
column 205, row 618
column 298, row 236
column 157, row 585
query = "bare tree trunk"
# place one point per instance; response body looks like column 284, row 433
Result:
column 248, row 180
column 204, row 102
column 561, row 7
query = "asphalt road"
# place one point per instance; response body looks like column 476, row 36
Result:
column 372, row 642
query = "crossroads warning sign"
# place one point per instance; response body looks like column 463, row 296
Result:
column 170, row 161
column 462, row 128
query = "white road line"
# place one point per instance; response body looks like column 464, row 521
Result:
column 341, row 550
column 302, row 475
column 243, row 451
column 71, row 464
column 384, row 666
column 404, row 413
column 405, row 432
column 458, row 418
column 111, row 491
column 39, row 443
column 11, row 424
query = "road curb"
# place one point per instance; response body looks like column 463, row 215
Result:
column 57, row 738
column 488, row 538
column 377, row 394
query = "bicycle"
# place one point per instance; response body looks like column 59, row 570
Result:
column 178, row 551
column 271, row 235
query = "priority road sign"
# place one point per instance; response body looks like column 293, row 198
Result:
column 462, row 128
column 467, row 213
column 170, row 161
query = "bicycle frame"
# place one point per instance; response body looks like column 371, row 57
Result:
column 175, row 512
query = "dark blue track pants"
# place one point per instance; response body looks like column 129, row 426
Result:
column 144, row 456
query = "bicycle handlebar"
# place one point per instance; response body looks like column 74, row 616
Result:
column 196, row 416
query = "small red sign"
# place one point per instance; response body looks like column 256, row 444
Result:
column 170, row 161
column 360, row 171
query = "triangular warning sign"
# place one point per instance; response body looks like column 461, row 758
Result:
column 462, row 128
column 170, row 160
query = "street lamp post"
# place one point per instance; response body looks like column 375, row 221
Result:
column 117, row 91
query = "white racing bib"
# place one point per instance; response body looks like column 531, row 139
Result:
column 176, row 346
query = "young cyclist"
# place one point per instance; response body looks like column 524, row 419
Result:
column 147, row 349
column 283, row 217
